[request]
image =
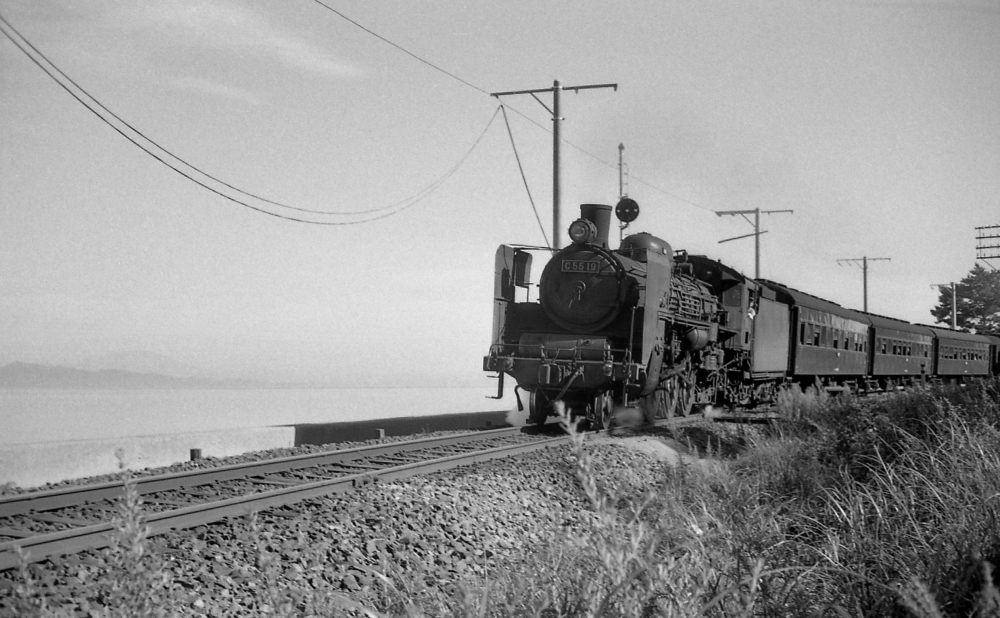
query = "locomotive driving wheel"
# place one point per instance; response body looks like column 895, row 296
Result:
column 604, row 408
column 683, row 396
column 659, row 404
column 538, row 408
column 668, row 404
column 652, row 404
column 674, row 397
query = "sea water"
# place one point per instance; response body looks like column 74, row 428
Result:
column 29, row 415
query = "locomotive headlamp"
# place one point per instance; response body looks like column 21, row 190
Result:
column 583, row 231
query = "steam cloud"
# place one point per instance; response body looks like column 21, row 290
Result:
column 517, row 418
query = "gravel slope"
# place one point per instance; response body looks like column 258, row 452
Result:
column 428, row 534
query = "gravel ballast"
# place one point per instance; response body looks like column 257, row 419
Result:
column 418, row 538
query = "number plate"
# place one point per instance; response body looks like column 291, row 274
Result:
column 580, row 266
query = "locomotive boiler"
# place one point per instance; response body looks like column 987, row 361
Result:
column 606, row 327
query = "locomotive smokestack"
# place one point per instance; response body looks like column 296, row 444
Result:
column 600, row 216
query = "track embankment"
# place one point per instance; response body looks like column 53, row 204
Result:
column 436, row 531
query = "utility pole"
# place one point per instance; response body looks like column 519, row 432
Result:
column 556, row 90
column 757, row 212
column 985, row 251
column 954, row 302
column 864, row 269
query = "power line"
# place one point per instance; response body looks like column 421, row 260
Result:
column 399, row 47
column 607, row 164
column 756, row 212
column 556, row 89
column 55, row 73
column 986, row 234
column 668, row 193
column 523, row 177
column 55, row 68
column 513, row 109
column 864, row 269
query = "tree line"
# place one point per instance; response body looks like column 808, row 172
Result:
column 978, row 302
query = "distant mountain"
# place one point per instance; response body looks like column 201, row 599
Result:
column 141, row 362
column 30, row 375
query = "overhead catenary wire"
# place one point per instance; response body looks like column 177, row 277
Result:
column 399, row 47
column 523, row 177
column 513, row 109
column 162, row 153
column 522, row 115
column 159, row 153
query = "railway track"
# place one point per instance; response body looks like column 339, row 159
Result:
column 68, row 520
column 73, row 519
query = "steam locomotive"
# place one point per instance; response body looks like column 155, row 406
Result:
column 644, row 325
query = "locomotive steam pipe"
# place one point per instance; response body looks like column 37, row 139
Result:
column 600, row 216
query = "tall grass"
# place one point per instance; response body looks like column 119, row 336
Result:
column 897, row 499
column 132, row 583
column 887, row 507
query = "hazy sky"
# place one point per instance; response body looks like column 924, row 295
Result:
column 877, row 122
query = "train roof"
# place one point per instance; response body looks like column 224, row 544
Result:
column 881, row 321
column 800, row 298
column 723, row 268
column 947, row 333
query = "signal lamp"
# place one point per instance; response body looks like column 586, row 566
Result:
column 627, row 210
column 583, row 231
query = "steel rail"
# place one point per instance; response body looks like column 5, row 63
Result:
column 41, row 547
column 19, row 504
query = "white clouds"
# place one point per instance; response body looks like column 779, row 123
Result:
column 228, row 27
column 200, row 84
column 980, row 6
column 297, row 53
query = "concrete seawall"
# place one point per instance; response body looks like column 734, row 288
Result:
column 30, row 465
column 38, row 463
column 327, row 433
